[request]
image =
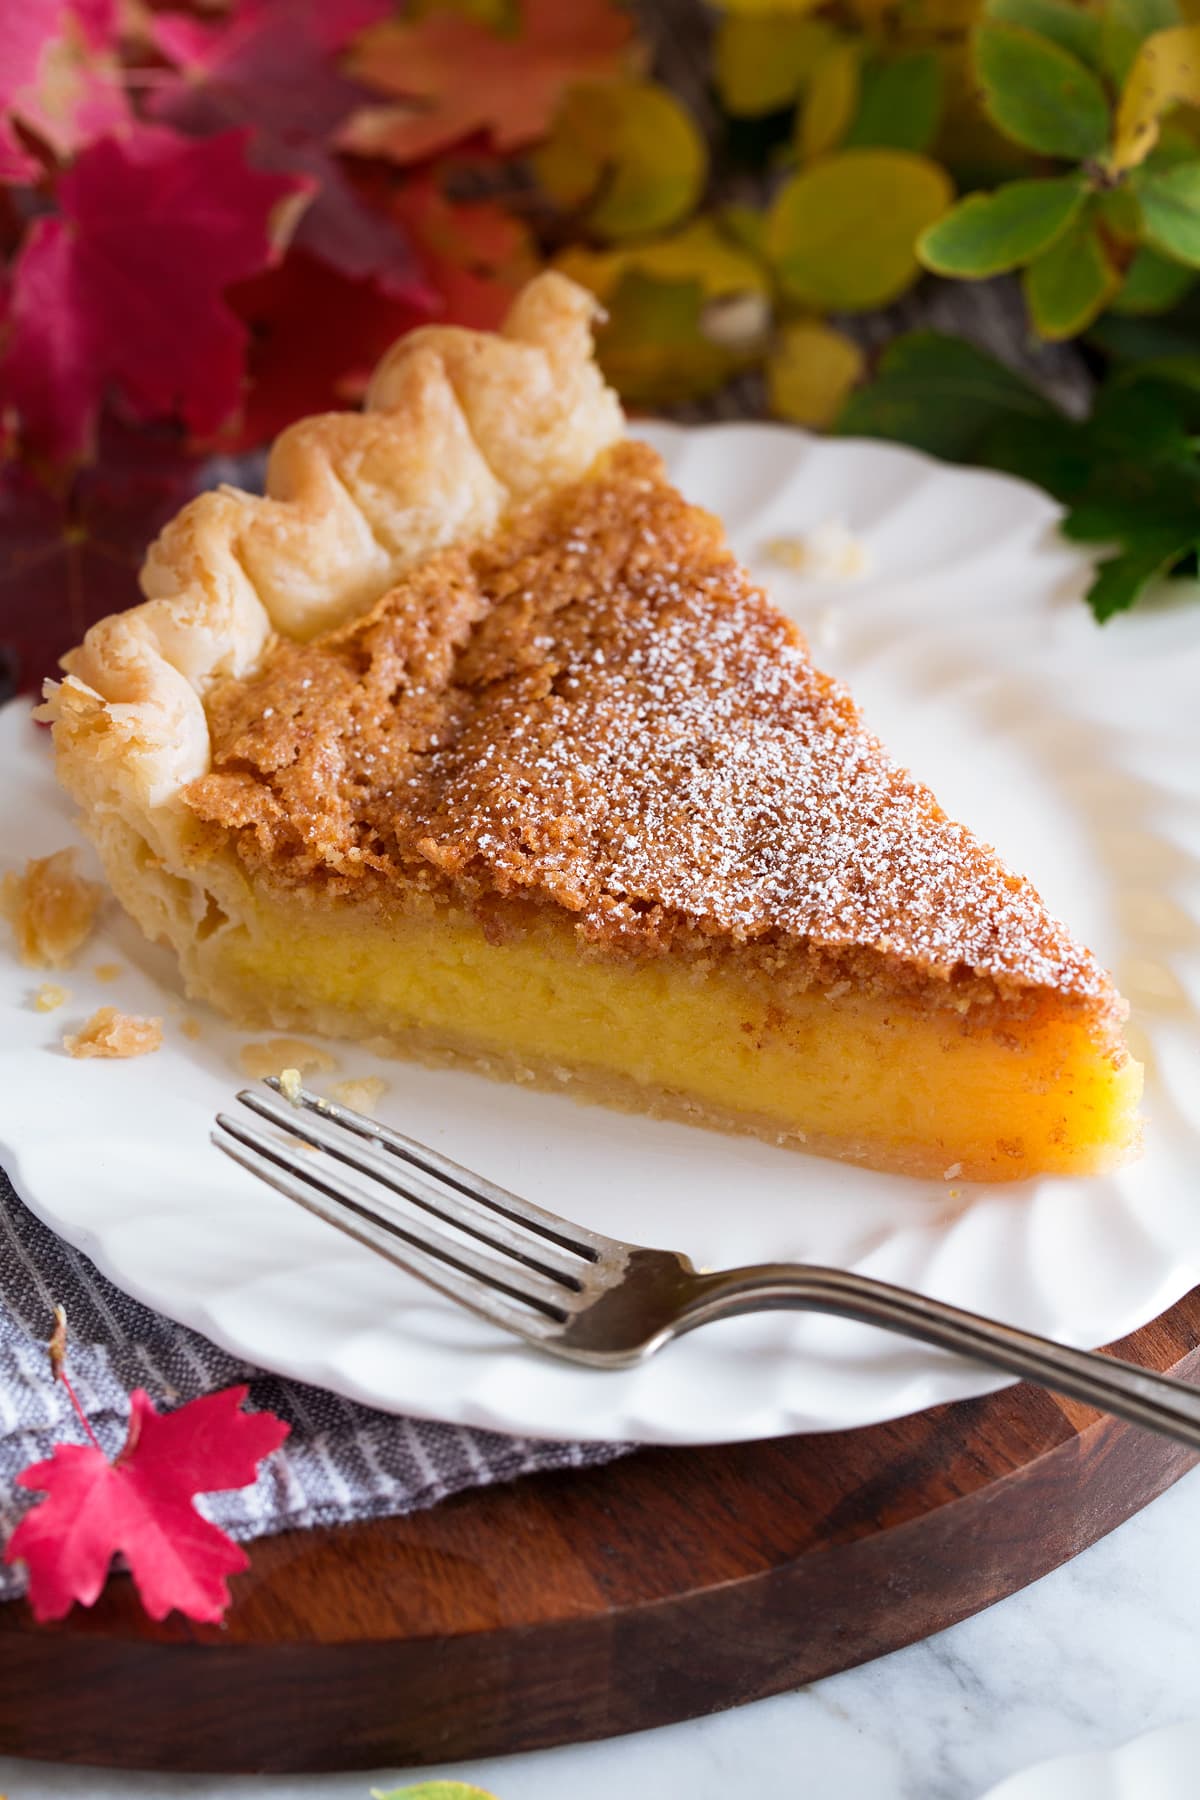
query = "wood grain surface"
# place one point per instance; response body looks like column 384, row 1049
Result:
column 585, row 1604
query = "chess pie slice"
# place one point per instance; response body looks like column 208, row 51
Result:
column 472, row 739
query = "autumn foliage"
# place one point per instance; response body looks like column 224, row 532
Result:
column 215, row 220
column 215, row 214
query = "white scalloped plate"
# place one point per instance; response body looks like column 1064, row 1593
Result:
column 1160, row 1765
column 1075, row 750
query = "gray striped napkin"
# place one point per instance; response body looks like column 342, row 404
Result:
column 342, row 1461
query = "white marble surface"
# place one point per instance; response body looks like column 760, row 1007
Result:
column 1091, row 1656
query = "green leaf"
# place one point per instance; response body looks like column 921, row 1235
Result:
column 1124, row 23
column 942, row 395
column 1177, row 370
column 1063, row 23
column 432, row 1790
column 1122, row 580
column 1130, row 341
column 1176, row 144
column 1052, row 453
column 1153, row 284
column 988, row 234
column 1170, row 203
column 900, row 103
column 1119, row 211
column 841, row 235
column 1039, row 94
column 1069, row 284
column 1145, row 421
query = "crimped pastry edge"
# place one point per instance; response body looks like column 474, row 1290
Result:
column 458, row 427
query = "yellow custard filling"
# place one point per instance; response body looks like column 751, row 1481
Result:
column 879, row 1082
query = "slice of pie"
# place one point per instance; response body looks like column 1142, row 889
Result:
column 472, row 739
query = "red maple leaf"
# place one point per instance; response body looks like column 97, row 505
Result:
column 458, row 78
column 315, row 336
column 72, row 550
column 28, row 30
column 476, row 254
column 270, row 67
column 141, row 1507
column 75, row 93
column 124, row 288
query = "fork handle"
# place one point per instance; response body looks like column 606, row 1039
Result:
column 1158, row 1402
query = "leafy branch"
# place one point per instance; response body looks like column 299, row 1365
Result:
column 1086, row 89
column 1128, row 475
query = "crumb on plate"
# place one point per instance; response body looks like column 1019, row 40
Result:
column 362, row 1094
column 50, row 996
column 51, row 909
column 190, row 1028
column 106, row 971
column 113, row 1033
column 277, row 1054
column 829, row 552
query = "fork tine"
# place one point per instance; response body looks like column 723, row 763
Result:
column 367, row 1158
column 591, row 1245
column 474, row 1281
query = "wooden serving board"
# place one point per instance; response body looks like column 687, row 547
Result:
column 584, row 1604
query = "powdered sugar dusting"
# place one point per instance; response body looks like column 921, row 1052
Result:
column 604, row 711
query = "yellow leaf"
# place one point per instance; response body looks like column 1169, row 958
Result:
column 872, row 14
column 830, row 103
column 810, row 372
column 685, row 313
column 926, row 19
column 626, row 153
column 762, row 60
column 653, row 347
column 842, row 234
column 1165, row 73
column 700, row 252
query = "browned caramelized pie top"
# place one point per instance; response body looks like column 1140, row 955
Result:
column 597, row 710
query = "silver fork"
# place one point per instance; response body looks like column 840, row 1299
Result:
column 593, row 1299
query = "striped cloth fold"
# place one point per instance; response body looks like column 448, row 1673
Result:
column 342, row 1462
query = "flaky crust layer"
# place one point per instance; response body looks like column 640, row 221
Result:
column 458, row 427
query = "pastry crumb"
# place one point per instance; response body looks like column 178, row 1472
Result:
column 106, row 971
column 953, row 1172
column 826, row 628
column 290, row 1084
column 362, row 1094
column 829, row 552
column 190, row 1028
column 112, row 1033
column 51, row 909
column 277, row 1054
column 50, row 996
